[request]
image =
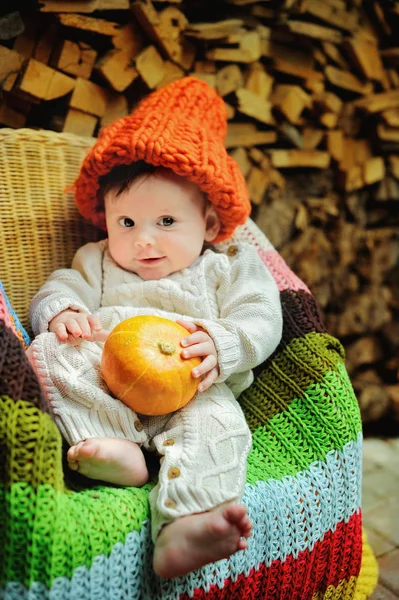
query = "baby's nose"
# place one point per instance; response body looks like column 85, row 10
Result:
column 144, row 238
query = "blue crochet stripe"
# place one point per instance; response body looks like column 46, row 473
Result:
column 277, row 508
column 14, row 317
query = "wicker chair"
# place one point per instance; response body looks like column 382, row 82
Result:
column 68, row 538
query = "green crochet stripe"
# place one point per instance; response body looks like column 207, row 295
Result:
column 22, row 424
column 324, row 418
column 71, row 528
column 303, row 362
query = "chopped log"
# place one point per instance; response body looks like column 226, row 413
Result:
column 150, row 66
column 80, row 123
column 82, row 6
column 291, row 133
column 246, row 135
column 299, row 158
column 377, row 103
column 290, row 101
column 205, row 66
column 347, row 81
column 364, row 351
column 258, row 81
column 312, row 138
column 171, row 73
column 10, row 117
column 391, row 55
column 374, row 170
column 254, row 106
column 365, row 56
column 214, row 31
column 241, row 157
column 351, row 178
column 289, row 68
column 387, row 134
column 100, row 26
column 210, row 78
column 334, row 54
column 129, row 37
column 117, row 107
column 257, row 183
column 328, row 13
column 43, row 82
column 117, row 69
column 394, row 165
column 46, row 43
column 25, row 42
column 279, row 52
column 229, row 79
column 89, row 97
column 335, row 144
column 165, row 29
column 393, row 396
column 248, row 51
column 328, row 102
column 11, row 63
column 329, row 120
column 372, row 396
column 391, row 117
column 75, row 58
column 393, row 78
column 319, row 32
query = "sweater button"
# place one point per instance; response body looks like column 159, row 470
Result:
column 173, row 473
column 169, row 503
column 138, row 425
column 168, row 442
column 232, row 250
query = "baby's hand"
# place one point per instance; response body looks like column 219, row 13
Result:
column 199, row 343
column 77, row 324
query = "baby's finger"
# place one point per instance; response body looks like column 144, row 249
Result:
column 94, row 322
column 203, row 349
column 191, row 327
column 61, row 332
column 85, row 327
column 207, row 365
column 73, row 327
column 195, row 338
column 208, row 380
column 99, row 336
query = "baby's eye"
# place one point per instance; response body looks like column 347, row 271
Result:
column 166, row 221
column 126, row 222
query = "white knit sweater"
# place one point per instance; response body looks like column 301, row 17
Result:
column 234, row 298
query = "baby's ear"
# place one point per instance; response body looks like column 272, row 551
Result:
column 212, row 223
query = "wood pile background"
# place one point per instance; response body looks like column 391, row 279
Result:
column 312, row 94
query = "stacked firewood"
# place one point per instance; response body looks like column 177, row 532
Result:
column 312, row 95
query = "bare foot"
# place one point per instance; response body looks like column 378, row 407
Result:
column 109, row 459
column 196, row 540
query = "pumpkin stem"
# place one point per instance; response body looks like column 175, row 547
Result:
column 166, row 348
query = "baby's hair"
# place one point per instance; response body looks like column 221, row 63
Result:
column 121, row 177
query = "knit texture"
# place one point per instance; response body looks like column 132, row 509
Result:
column 74, row 539
column 182, row 127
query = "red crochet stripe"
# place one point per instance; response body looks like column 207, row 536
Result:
column 335, row 558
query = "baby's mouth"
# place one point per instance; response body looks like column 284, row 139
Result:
column 151, row 261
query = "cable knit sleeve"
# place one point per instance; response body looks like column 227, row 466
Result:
column 250, row 324
column 78, row 288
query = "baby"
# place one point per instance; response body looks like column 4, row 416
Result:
column 163, row 186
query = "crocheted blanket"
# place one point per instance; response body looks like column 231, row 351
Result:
column 66, row 538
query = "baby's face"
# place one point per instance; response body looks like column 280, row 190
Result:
column 158, row 226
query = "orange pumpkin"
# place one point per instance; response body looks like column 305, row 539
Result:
column 142, row 365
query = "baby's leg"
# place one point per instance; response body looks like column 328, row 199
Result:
column 202, row 476
column 109, row 459
column 103, row 432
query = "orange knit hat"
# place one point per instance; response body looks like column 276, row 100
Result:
column 182, row 127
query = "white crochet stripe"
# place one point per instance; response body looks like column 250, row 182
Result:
column 282, row 526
